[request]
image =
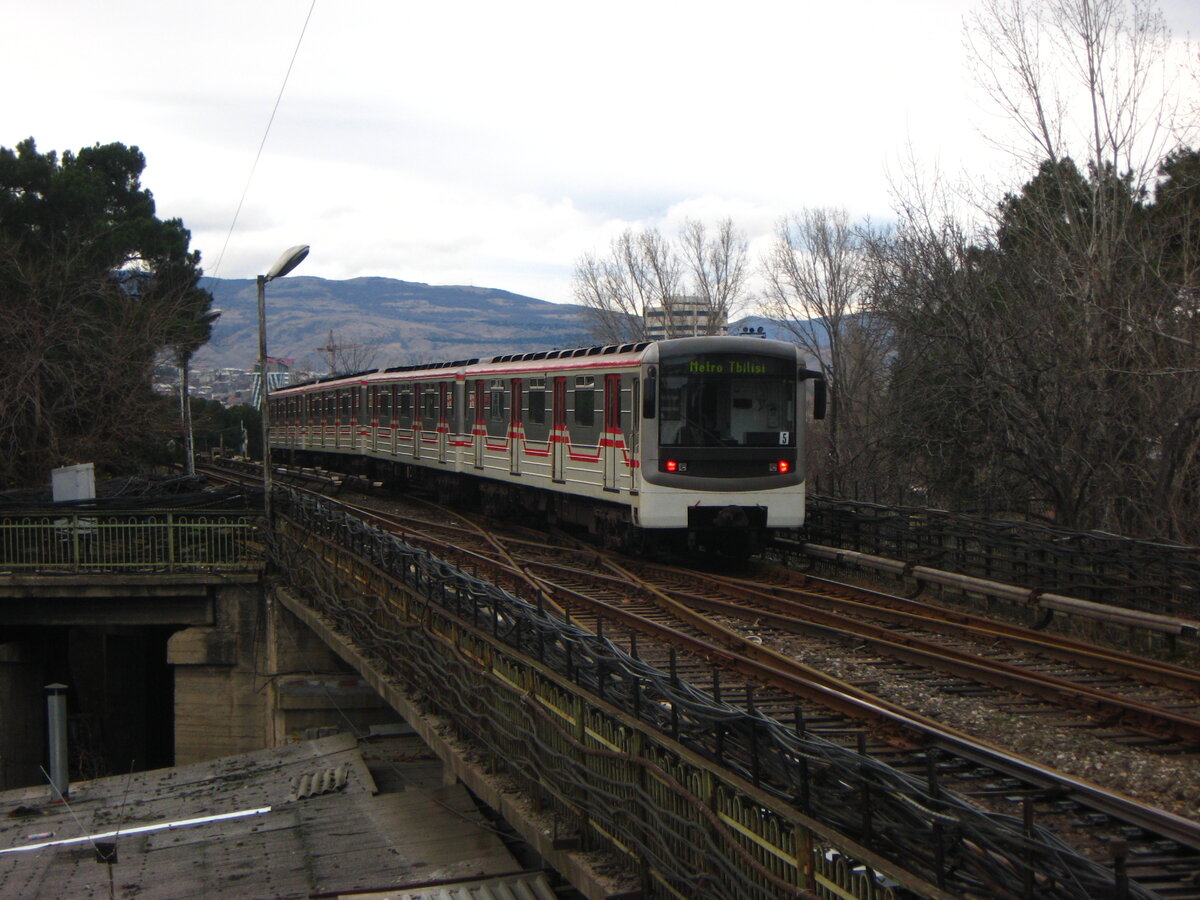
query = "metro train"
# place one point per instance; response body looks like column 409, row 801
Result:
column 695, row 442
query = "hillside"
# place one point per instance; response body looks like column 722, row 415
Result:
column 395, row 322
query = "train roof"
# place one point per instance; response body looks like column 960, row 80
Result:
column 600, row 354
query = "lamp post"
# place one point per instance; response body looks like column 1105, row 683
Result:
column 291, row 258
column 202, row 320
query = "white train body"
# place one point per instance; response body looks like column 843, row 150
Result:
column 701, row 436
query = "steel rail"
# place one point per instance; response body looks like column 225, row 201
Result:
column 925, row 615
column 1142, row 717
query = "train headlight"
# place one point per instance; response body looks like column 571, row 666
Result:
column 673, row 465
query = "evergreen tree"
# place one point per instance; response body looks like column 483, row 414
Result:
column 94, row 287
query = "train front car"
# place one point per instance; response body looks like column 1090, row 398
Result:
column 724, row 443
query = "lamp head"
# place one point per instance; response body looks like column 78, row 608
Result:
column 291, row 258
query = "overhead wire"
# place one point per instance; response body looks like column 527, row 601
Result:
column 263, row 143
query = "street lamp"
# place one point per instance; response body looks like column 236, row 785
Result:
column 291, row 258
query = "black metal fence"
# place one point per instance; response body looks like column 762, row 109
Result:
column 1106, row 568
column 710, row 800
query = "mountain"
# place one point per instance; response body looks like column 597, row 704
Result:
column 391, row 322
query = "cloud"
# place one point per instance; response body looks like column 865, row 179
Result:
column 494, row 143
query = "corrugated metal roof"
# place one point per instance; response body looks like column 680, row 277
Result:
column 288, row 822
column 526, row 886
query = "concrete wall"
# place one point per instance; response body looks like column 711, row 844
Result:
column 258, row 678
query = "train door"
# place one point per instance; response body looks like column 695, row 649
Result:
column 631, row 421
column 371, row 418
column 356, row 418
column 458, row 422
column 479, row 429
column 362, row 419
column 416, row 419
column 516, row 433
column 305, row 420
column 443, row 420
column 330, row 419
column 339, row 406
column 395, row 419
column 558, row 433
column 610, row 441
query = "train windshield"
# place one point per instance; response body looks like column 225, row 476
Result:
column 727, row 400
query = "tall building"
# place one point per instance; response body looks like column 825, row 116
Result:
column 682, row 317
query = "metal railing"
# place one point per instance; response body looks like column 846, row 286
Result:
column 1152, row 576
column 54, row 541
column 709, row 800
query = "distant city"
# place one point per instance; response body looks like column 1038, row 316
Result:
column 230, row 386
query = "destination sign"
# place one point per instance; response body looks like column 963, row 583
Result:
column 728, row 366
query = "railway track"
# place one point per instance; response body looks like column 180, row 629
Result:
column 729, row 636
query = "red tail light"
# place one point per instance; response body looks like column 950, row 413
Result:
column 784, row 467
column 672, row 466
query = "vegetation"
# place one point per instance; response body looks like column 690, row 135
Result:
column 645, row 271
column 94, row 287
column 1031, row 375
column 228, row 428
column 1049, row 362
column 1043, row 360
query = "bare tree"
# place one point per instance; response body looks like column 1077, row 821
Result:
column 718, row 266
column 1072, row 293
column 691, row 284
column 344, row 359
column 818, row 276
column 639, row 273
column 1090, row 81
column 1087, row 79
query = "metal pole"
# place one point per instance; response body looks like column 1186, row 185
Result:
column 263, row 405
column 186, row 399
column 56, row 715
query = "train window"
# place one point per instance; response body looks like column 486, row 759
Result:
column 537, row 405
column 383, row 407
column 496, row 400
column 537, row 401
column 724, row 400
column 429, row 402
column 405, row 403
column 585, row 401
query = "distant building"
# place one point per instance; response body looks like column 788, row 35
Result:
column 682, row 317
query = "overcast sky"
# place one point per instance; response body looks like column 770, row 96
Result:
column 493, row 143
